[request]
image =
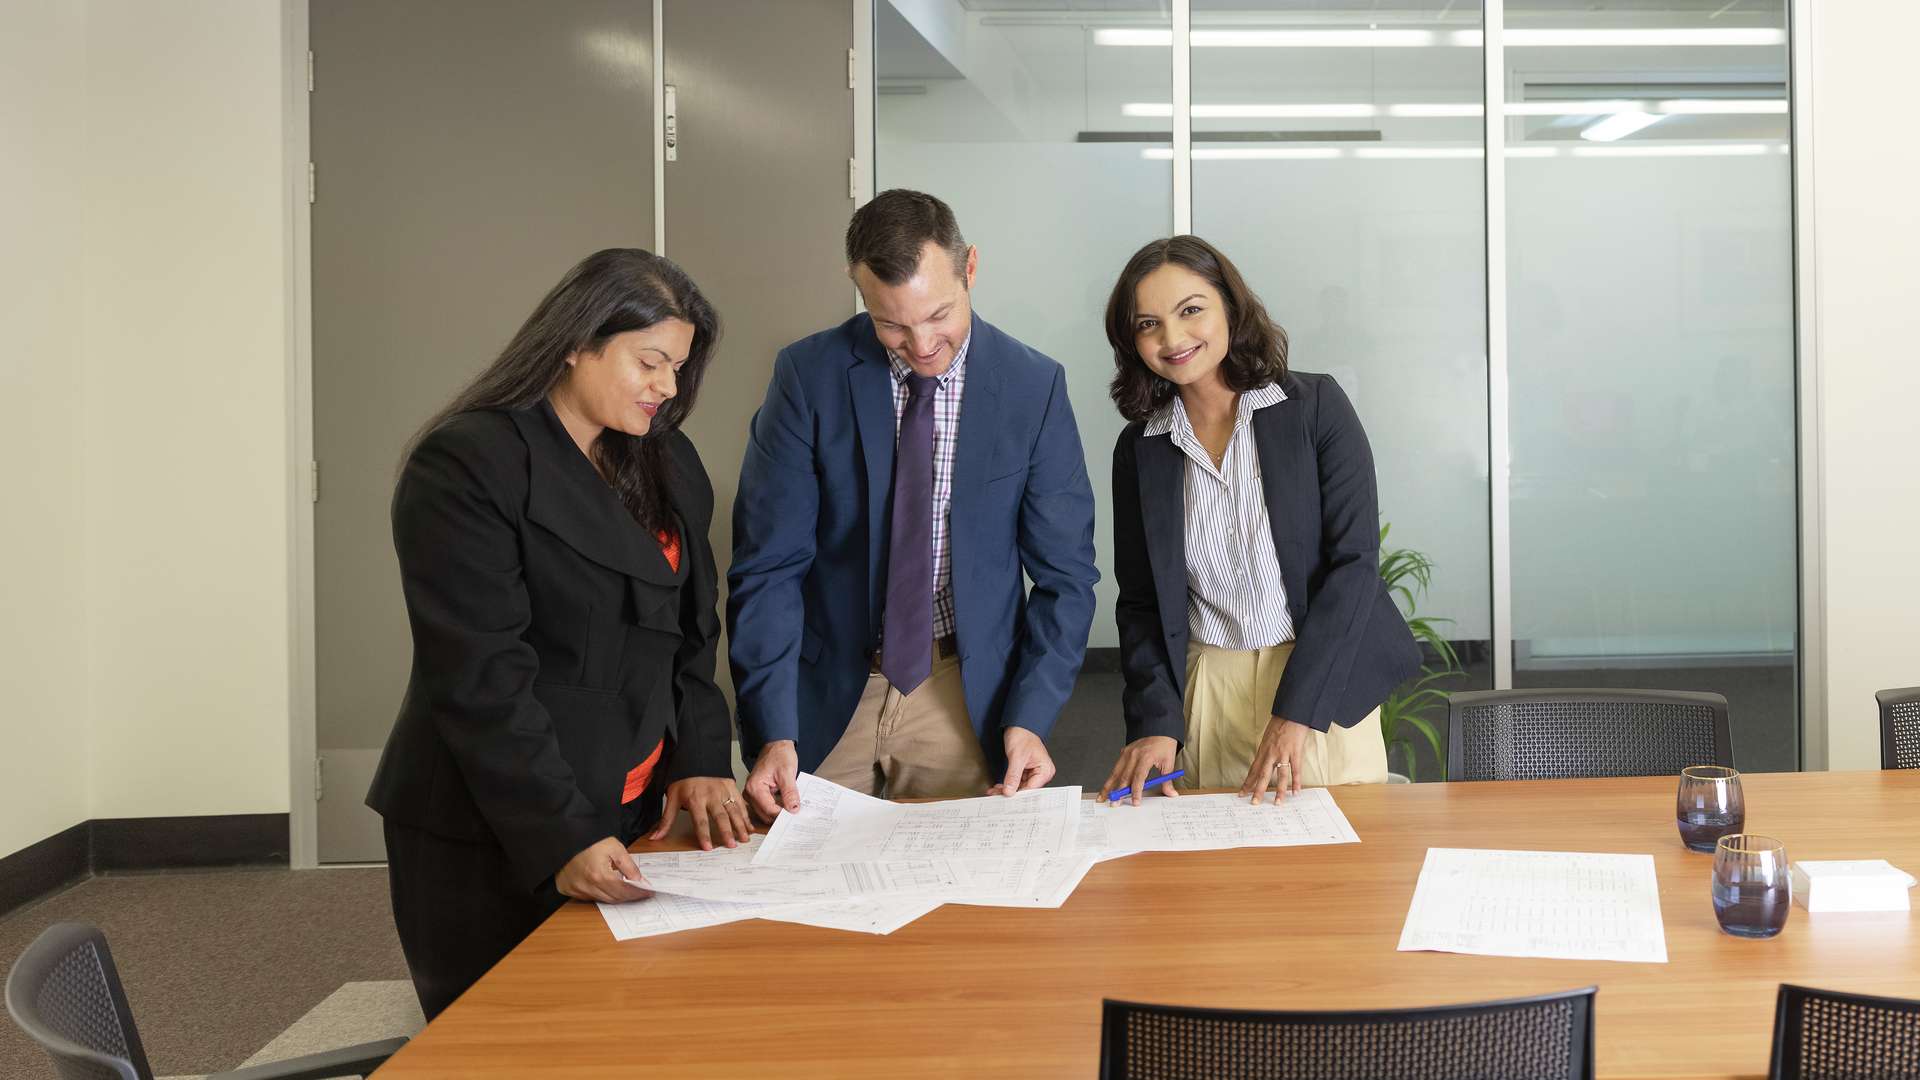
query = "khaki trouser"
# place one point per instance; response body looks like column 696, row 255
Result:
column 910, row 746
column 1229, row 701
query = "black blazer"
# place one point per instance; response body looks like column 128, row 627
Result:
column 553, row 646
column 1351, row 647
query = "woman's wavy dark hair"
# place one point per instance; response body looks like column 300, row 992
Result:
column 1256, row 351
column 607, row 293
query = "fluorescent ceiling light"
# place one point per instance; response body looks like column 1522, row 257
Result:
column 1246, row 112
column 1410, row 39
column 1571, row 108
column 1249, row 153
column 1275, row 39
column 1418, row 109
column 1434, row 152
column 1640, row 38
column 1411, row 110
column 1619, row 125
column 1388, row 153
column 1682, row 150
column 1723, row 106
column 1441, row 110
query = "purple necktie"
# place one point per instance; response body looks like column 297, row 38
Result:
column 906, row 643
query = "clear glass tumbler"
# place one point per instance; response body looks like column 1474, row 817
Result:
column 1752, row 891
column 1709, row 806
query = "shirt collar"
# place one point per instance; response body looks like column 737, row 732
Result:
column 1171, row 418
column 902, row 370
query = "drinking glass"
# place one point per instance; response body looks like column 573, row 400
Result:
column 1751, row 889
column 1710, row 805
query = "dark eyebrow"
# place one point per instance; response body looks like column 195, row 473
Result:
column 1138, row 315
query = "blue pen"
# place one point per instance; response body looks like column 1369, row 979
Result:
column 1116, row 796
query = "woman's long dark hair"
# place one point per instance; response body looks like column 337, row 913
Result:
column 1256, row 353
column 607, row 293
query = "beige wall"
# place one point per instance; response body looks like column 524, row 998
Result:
column 1867, row 223
column 43, row 684
column 185, row 383
column 144, row 636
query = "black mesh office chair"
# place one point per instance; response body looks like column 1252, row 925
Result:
column 65, row 993
column 1565, row 734
column 1540, row 1038
column 1824, row 1035
column 1899, row 728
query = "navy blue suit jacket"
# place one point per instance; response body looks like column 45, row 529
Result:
column 810, row 537
column 1351, row 645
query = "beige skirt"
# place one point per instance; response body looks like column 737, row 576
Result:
column 1229, row 701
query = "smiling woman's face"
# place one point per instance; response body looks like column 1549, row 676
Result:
column 624, row 383
column 1179, row 325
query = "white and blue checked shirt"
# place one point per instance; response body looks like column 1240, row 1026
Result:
column 1235, row 596
column 946, row 436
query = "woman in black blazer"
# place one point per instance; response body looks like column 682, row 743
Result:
column 551, row 525
column 1255, row 635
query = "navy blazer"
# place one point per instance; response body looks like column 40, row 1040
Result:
column 553, row 645
column 1351, row 645
column 810, row 535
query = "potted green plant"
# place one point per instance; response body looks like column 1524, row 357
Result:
column 1407, row 711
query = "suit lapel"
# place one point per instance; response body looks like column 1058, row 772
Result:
column 1163, row 503
column 568, row 498
column 870, row 384
column 973, row 450
column 1278, row 431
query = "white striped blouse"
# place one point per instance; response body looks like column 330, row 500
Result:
column 1235, row 596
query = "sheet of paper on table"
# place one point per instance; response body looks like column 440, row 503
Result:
column 837, row 825
column 731, row 874
column 665, row 913
column 1213, row 822
column 1560, row 905
column 1054, row 880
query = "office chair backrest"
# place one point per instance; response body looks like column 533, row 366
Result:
column 1541, row 1038
column 1899, row 728
column 1564, row 734
column 65, row 993
column 1825, row 1035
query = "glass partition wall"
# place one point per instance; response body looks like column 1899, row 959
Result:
column 1629, row 517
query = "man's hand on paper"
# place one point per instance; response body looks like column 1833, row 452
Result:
column 1284, row 743
column 1028, row 763
column 1137, row 761
column 707, row 798
column 774, row 783
column 603, row 872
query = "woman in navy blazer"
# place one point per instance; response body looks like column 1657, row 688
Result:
column 551, row 525
column 1256, row 637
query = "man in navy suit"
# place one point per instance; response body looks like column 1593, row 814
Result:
column 906, row 467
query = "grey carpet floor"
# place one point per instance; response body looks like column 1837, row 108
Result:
column 218, row 964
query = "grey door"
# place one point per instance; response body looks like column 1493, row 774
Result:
column 757, row 200
column 467, row 152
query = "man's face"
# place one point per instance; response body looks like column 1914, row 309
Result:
column 925, row 319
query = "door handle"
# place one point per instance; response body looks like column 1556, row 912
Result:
column 672, row 127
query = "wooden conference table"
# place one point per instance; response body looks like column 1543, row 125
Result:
column 1013, row 993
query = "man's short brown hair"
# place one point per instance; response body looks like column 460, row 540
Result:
column 888, row 234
